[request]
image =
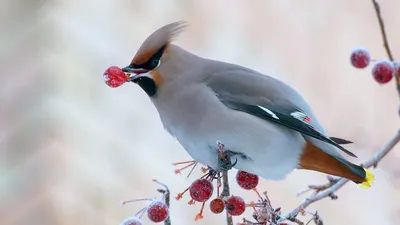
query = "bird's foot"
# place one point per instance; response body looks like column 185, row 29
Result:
column 224, row 158
column 225, row 164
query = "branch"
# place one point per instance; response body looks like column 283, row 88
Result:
column 383, row 31
column 167, row 197
column 337, row 184
column 385, row 39
column 225, row 179
column 226, row 191
column 167, row 201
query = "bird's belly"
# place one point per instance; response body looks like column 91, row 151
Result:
column 199, row 149
column 271, row 151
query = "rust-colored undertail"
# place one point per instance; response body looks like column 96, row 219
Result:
column 315, row 159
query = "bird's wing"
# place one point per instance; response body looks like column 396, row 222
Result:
column 267, row 98
column 290, row 118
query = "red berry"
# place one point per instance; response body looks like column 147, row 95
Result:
column 360, row 58
column 114, row 77
column 217, row 206
column 383, row 71
column 246, row 180
column 157, row 211
column 201, row 190
column 131, row 221
column 235, row 206
column 397, row 68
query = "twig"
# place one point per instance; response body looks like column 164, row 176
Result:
column 167, row 201
column 226, row 192
column 316, row 218
column 328, row 192
column 379, row 155
column 167, row 196
column 225, row 185
column 225, row 179
column 385, row 39
column 383, row 31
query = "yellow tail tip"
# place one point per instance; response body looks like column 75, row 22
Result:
column 369, row 178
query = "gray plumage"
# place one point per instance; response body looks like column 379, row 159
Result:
column 202, row 101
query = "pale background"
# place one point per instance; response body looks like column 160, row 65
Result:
column 71, row 148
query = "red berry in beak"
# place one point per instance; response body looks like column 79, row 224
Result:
column 131, row 221
column 217, row 206
column 157, row 211
column 115, row 77
column 246, row 180
column 360, row 58
column 201, row 190
column 383, row 71
column 235, row 206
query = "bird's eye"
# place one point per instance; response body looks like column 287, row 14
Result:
column 154, row 63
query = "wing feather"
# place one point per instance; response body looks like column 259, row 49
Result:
column 246, row 90
column 291, row 120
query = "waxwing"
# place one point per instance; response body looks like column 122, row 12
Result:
column 266, row 126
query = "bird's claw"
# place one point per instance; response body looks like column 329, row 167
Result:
column 224, row 163
column 234, row 164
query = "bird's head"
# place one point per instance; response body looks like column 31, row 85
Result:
column 152, row 54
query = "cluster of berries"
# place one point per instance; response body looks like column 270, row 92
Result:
column 383, row 70
column 201, row 190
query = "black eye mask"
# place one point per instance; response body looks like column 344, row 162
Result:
column 152, row 63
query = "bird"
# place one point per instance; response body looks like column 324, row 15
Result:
column 265, row 124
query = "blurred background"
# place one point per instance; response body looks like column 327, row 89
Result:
column 71, row 148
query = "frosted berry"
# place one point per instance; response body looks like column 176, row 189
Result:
column 201, row 190
column 383, row 71
column 157, row 211
column 115, row 77
column 131, row 221
column 217, row 206
column 235, row 206
column 397, row 68
column 360, row 58
column 246, row 180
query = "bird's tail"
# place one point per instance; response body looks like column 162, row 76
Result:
column 369, row 178
column 313, row 158
column 366, row 177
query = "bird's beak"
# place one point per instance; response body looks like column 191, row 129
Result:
column 131, row 69
column 138, row 77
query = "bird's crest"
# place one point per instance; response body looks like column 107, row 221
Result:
column 159, row 38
